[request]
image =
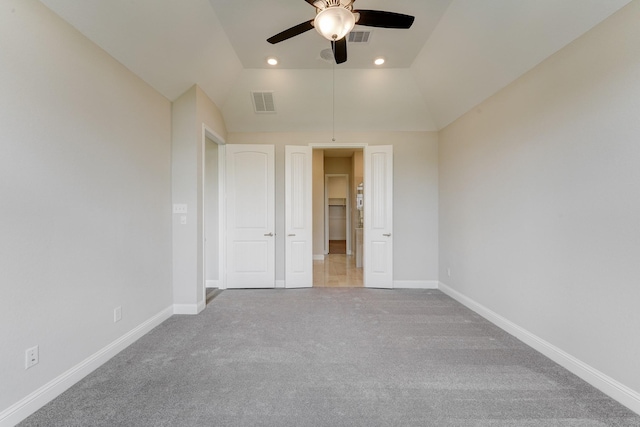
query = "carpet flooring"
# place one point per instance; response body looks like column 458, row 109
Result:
column 331, row 357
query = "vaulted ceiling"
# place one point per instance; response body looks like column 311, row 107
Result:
column 458, row 53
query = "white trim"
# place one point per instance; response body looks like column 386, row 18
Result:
column 325, row 145
column 318, row 257
column 213, row 283
column 189, row 308
column 415, row 284
column 280, row 284
column 45, row 394
column 616, row 390
column 213, row 135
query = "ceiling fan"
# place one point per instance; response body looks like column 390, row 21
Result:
column 336, row 18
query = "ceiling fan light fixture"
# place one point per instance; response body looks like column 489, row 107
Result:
column 334, row 22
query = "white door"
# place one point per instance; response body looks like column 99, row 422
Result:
column 298, row 217
column 378, row 216
column 250, row 216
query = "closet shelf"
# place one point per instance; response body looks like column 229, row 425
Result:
column 337, row 202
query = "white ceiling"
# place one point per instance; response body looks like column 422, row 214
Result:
column 458, row 53
column 248, row 31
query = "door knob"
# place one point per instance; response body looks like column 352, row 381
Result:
column 269, row 235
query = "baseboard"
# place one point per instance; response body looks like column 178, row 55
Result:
column 212, row 284
column 614, row 389
column 415, row 284
column 45, row 394
column 318, row 257
column 280, row 284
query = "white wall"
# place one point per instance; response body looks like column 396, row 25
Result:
column 540, row 200
column 85, row 188
column 415, row 194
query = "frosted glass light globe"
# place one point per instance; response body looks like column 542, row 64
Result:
column 334, row 23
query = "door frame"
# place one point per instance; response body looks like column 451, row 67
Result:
column 327, row 176
column 346, row 145
column 219, row 140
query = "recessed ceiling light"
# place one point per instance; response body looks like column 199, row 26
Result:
column 379, row 61
column 272, row 61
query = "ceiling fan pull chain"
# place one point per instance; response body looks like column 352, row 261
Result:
column 333, row 100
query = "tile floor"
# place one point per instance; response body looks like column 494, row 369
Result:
column 337, row 271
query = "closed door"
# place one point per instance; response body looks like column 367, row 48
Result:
column 378, row 216
column 298, row 217
column 250, row 216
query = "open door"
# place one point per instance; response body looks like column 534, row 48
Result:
column 298, row 217
column 378, row 216
column 250, row 205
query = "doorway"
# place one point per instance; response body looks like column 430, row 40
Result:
column 336, row 175
column 211, row 220
column 211, row 246
column 337, row 224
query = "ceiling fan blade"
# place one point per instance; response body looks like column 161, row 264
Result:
column 312, row 2
column 380, row 18
column 291, row 32
column 340, row 50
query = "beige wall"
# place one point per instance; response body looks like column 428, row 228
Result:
column 540, row 200
column 190, row 112
column 358, row 177
column 337, row 188
column 85, row 184
column 337, row 165
column 318, row 204
column 415, row 194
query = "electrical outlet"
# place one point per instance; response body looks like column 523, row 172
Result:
column 31, row 357
column 117, row 314
column 183, row 219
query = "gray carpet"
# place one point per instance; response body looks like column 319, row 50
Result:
column 331, row 357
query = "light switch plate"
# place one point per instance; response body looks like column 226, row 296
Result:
column 179, row 208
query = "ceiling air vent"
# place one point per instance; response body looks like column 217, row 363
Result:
column 263, row 102
column 359, row 36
